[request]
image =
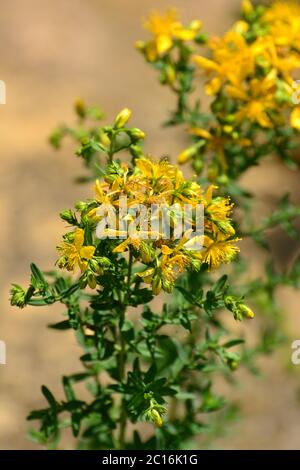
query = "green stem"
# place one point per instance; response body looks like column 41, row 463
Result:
column 122, row 371
column 123, row 356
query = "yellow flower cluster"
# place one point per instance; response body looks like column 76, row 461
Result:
column 159, row 184
column 74, row 253
column 254, row 63
column 166, row 30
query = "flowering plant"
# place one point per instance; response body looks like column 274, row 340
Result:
column 144, row 298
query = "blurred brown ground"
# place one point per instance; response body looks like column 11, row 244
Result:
column 52, row 52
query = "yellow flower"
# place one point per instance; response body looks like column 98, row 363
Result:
column 218, row 212
column 220, row 250
column 216, row 141
column 283, row 19
column 74, row 253
column 165, row 29
column 232, row 61
column 258, row 97
column 152, row 235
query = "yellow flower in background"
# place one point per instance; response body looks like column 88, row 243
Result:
column 232, row 61
column 165, row 29
column 216, row 139
column 74, row 253
column 258, row 97
column 283, row 19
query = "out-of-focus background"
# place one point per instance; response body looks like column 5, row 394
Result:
column 53, row 51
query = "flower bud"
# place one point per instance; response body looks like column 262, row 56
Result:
column 156, row 418
column 68, row 216
column 227, row 129
column 122, row 118
column 136, row 151
column 104, row 139
column 186, row 155
column 80, row 108
column 156, row 285
column 198, row 166
column 81, row 206
column 195, row 25
column 246, row 311
column 137, row 134
column 140, row 45
column 168, row 76
column 91, row 281
column 223, row 179
column 201, row 38
column 247, row 7
column 232, row 364
column 95, row 267
column 213, row 172
column 17, row 296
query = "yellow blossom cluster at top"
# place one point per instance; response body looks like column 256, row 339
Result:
column 255, row 62
column 166, row 29
column 161, row 259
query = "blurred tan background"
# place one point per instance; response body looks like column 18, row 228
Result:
column 53, row 51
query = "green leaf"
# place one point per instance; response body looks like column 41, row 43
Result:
column 233, row 342
column 49, row 397
column 63, row 325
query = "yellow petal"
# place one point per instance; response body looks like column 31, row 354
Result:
column 295, row 118
column 79, row 238
column 163, row 44
column 206, row 64
column 146, row 275
column 199, row 132
column 213, row 87
column 241, row 27
column 236, row 93
column 166, row 250
column 87, row 252
column 184, row 34
column 122, row 247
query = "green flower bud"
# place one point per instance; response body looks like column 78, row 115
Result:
column 198, row 166
column 232, row 364
column 17, row 296
column 201, row 38
column 68, row 216
column 223, row 179
column 91, row 280
column 136, row 134
column 156, row 284
column 168, row 76
column 136, row 151
column 82, row 206
column 95, row 267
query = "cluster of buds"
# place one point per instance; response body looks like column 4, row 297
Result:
column 239, row 309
